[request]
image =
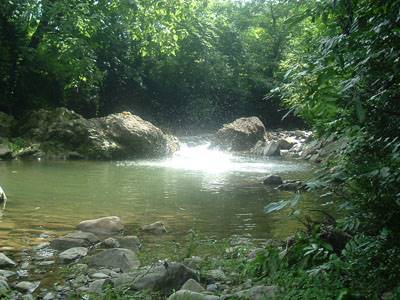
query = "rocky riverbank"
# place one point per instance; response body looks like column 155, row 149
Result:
column 100, row 259
column 63, row 134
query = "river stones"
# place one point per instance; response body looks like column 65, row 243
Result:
column 27, row 286
column 6, row 273
column 164, row 278
column 74, row 239
column 6, row 261
column 156, row 228
column 240, row 135
column 103, row 226
column 131, row 242
column 73, row 254
column 121, row 258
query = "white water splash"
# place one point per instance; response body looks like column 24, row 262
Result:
column 203, row 158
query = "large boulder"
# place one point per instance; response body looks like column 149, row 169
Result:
column 61, row 133
column 124, row 259
column 240, row 135
column 103, row 226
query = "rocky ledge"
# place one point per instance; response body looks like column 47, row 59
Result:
column 249, row 136
column 64, row 134
column 88, row 266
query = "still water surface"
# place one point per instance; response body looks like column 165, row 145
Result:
column 212, row 192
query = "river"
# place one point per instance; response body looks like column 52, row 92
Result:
column 214, row 193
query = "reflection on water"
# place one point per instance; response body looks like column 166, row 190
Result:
column 210, row 191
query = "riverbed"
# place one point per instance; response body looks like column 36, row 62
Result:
column 213, row 193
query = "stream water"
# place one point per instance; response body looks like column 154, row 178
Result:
column 214, row 193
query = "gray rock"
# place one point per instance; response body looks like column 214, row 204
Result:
column 49, row 296
column 189, row 295
column 216, row 275
column 7, row 273
column 212, row 287
column 193, row 286
column 123, row 281
column 164, row 278
column 5, row 152
column 27, row 286
column 73, row 254
column 86, row 236
column 156, row 228
column 64, row 243
column 240, row 135
column 291, row 186
column 124, row 259
column 111, row 243
column 3, row 285
column 130, row 242
column 6, row 261
column 260, row 292
column 98, row 286
column 62, row 133
column 102, row 226
column 272, row 148
column 273, row 180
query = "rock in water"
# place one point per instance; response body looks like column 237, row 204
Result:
column 73, row 254
column 64, row 134
column 164, row 278
column 74, row 239
column 5, row 261
column 273, row 180
column 102, row 226
column 124, row 259
column 156, row 228
column 5, row 151
column 240, row 135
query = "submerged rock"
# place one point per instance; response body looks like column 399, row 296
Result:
column 102, row 226
column 156, row 228
column 124, row 259
column 273, row 180
column 240, row 135
column 6, row 261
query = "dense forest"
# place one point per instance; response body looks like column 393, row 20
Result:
column 332, row 64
